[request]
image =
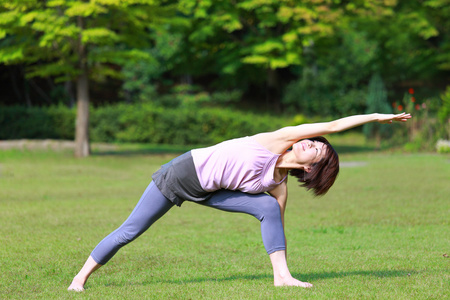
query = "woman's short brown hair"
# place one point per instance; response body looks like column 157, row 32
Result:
column 323, row 173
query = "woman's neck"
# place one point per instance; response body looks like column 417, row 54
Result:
column 288, row 161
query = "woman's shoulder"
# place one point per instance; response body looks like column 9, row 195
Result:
column 273, row 141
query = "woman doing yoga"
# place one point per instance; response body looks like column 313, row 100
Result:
column 234, row 176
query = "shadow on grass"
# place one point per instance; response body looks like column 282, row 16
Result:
column 378, row 273
column 309, row 277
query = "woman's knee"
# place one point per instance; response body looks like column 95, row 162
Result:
column 270, row 207
column 126, row 235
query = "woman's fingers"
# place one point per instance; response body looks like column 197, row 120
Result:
column 388, row 119
column 402, row 117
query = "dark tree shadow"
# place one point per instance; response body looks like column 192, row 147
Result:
column 168, row 149
column 157, row 150
column 341, row 149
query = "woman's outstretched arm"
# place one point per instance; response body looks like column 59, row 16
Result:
column 303, row 131
column 280, row 140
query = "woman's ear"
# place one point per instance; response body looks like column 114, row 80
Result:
column 307, row 169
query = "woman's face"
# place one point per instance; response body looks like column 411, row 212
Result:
column 308, row 152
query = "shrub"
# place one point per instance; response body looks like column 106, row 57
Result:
column 141, row 123
column 62, row 121
column 37, row 122
column 443, row 146
column 104, row 123
column 422, row 132
column 190, row 125
column 444, row 113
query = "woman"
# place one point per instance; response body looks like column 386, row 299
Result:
column 234, row 176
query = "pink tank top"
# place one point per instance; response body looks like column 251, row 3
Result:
column 238, row 164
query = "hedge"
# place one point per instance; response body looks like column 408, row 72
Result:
column 142, row 123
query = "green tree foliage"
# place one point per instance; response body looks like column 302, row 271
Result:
column 323, row 51
column 444, row 113
column 404, row 41
column 258, row 42
column 78, row 40
column 439, row 17
column 247, row 41
column 413, row 39
column 47, row 35
column 330, row 83
column 140, row 79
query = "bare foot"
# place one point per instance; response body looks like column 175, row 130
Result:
column 290, row 281
column 76, row 285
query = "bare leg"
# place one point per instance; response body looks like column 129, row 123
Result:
column 281, row 274
column 80, row 279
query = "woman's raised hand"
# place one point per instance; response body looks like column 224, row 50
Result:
column 389, row 118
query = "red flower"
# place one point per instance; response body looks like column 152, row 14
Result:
column 411, row 91
column 413, row 99
column 400, row 107
column 417, row 106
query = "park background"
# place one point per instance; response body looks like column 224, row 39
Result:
column 198, row 72
column 135, row 82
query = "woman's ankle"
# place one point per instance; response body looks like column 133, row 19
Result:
column 77, row 284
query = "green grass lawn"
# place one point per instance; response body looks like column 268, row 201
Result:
column 380, row 233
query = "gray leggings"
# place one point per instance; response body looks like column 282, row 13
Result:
column 154, row 205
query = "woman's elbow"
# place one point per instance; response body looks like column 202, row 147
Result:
column 332, row 127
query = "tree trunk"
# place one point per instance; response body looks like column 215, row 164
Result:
column 82, row 148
